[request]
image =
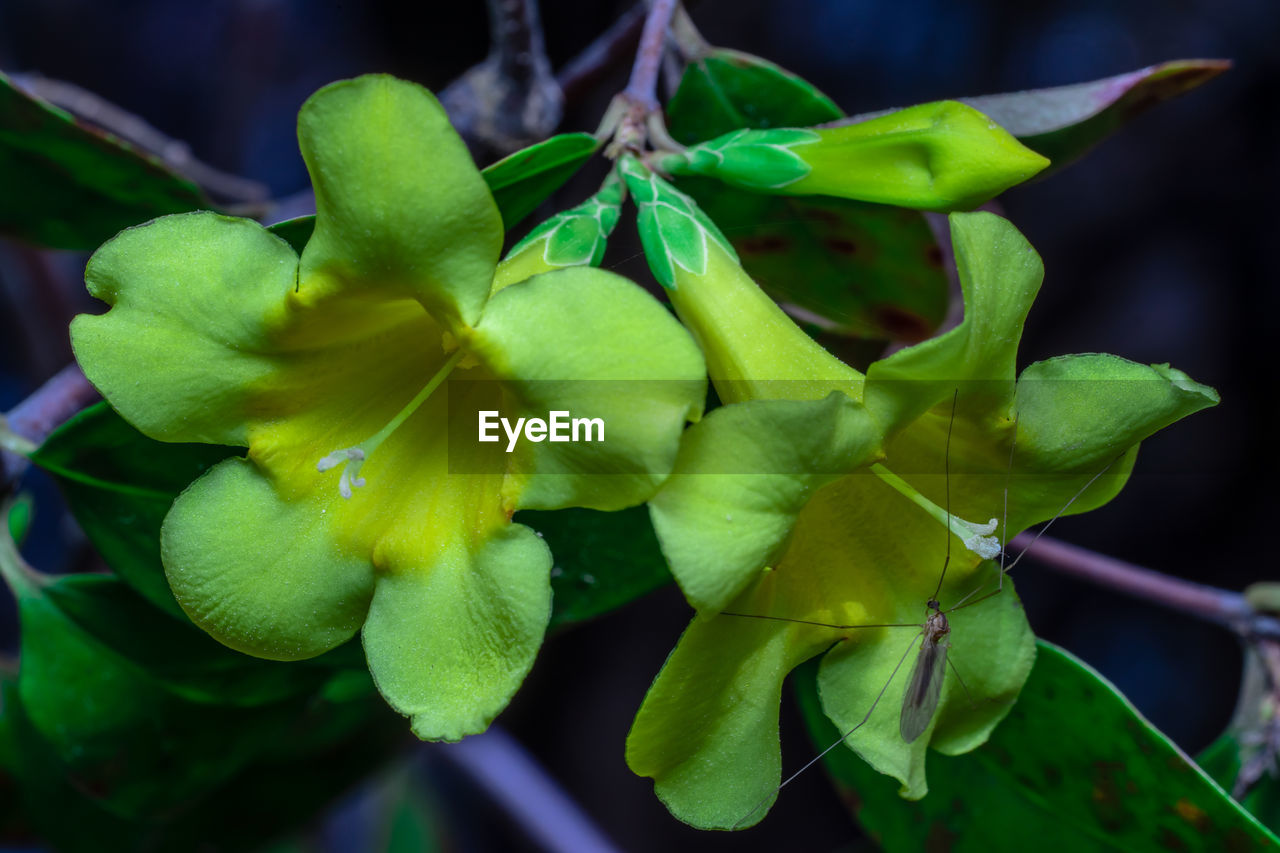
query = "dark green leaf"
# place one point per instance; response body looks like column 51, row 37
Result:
column 12, row 823
column 726, row 90
column 20, row 517
column 523, row 180
column 119, row 485
column 296, row 232
column 519, row 182
column 848, row 268
column 1074, row 767
column 46, row 803
column 1064, row 122
column 324, row 748
column 175, row 653
column 128, row 742
column 602, row 559
column 70, row 186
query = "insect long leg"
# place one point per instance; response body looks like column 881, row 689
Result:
column 836, row 743
column 1005, row 569
column 946, row 472
column 820, row 624
column 1008, row 475
column 1065, row 507
column 956, row 670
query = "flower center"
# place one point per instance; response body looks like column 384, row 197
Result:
column 352, row 458
column 977, row 537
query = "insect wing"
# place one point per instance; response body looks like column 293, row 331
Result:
column 924, row 689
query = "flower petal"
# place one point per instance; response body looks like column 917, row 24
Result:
column 400, row 206
column 194, row 300
column 595, row 345
column 1000, row 275
column 742, row 477
column 707, row 732
column 450, row 638
column 991, row 646
column 1076, row 415
column 260, row 573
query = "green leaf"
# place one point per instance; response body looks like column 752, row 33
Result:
column 519, row 182
column 726, row 90
column 21, row 514
column 296, row 232
column 602, row 560
column 131, row 743
column 323, row 749
column 185, row 660
column 523, row 180
column 1073, row 767
column 119, row 485
column 70, row 186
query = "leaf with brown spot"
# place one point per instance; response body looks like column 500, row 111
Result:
column 1058, row 775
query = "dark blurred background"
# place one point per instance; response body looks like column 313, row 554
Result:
column 1159, row 247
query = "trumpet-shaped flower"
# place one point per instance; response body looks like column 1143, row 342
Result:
column 779, row 522
column 353, row 374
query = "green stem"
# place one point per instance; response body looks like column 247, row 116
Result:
column 371, row 444
column 20, row 577
column 966, row 530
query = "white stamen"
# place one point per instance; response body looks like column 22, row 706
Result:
column 351, row 457
column 982, row 542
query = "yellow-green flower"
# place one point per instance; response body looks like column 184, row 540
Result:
column 779, row 508
column 353, row 375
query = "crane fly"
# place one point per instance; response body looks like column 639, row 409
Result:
column 923, row 692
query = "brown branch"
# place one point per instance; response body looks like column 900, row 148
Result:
column 40, row 414
column 1223, row 607
column 642, row 88
column 511, row 99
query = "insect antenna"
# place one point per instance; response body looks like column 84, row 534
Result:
column 946, row 484
column 821, row 624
